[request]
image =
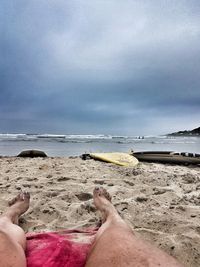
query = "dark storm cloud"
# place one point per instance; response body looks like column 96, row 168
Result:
column 99, row 66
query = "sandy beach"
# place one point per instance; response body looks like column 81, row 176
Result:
column 160, row 202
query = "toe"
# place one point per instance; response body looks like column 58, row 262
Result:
column 25, row 196
column 106, row 194
column 102, row 192
column 96, row 191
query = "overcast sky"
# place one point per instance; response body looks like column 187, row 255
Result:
column 99, row 66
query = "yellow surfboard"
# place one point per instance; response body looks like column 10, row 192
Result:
column 122, row 159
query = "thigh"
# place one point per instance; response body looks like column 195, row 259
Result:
column 119, row 247
column 114, row 248
column 11, row 253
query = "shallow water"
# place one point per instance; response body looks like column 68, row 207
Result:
column 74, row 145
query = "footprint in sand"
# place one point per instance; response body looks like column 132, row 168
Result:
column 84, row 196
column 101, row 182
column 159, row 191
column 63, row 178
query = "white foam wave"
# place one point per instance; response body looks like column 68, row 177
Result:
column 97, row 138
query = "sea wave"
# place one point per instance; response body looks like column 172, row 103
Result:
column 77, row 138
column 75, row 144
column 53, row 137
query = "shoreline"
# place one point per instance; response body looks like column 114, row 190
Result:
column 161, row 202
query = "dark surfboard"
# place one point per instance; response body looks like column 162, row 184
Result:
column 168, row 157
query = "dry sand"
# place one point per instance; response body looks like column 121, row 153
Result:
column 160, row 202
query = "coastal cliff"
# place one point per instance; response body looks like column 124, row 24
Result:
column 194, row 132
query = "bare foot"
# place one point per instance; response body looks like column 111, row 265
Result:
column 102, row 201
column 20, row 202
column 18, row 206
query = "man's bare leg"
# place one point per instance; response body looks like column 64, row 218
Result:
column 12, row 237
column 116, row 245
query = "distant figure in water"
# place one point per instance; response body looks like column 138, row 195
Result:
column 115, row 244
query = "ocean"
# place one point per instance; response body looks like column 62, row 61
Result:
column 75, row 145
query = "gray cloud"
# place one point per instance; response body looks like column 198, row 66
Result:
column 99, row 66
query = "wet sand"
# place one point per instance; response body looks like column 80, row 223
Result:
column 160, row 202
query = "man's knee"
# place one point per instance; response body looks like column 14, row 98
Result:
column 122, row 226
column 4, row 240
column 11, row 253
column 2, row 234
